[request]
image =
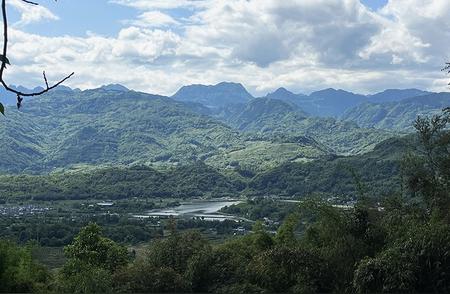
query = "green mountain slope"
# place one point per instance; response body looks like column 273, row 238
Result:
column 397, row 115
column 272, row 118
column 197, row 180
column 377, row 171
column 260, row 153
column 102, row 126
column 334, row 176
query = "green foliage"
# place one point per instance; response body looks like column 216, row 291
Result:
column 429, row 172
column 284, row 269
column 399, row 115
column 79, row 277
column 91, row 260
column 90, row 248
column 19, row 273
column 117, row 183
column 379, row 170
column 342, row 237
column 260, row 208
column 418, row 262
column 274, row 118
column 286, row 232
column 176, row 264
column 400, row 244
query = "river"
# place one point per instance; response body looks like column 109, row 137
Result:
column 204, row 209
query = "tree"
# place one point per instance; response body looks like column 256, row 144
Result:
column 284, row 269
column 286, row 232
column 5, row 61
column 92, row 259
column 18, row 271
column 419, row 262
column 416, row 257
column 342, row 237
column 428, row 172
column 178, row 263
column 91, row 248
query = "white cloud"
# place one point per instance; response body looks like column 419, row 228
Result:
column 154, row 19
column 31, row 13
column 304, row 45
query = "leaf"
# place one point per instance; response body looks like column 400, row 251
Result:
column 4, row 59
column 2, row 109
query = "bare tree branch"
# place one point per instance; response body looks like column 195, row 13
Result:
column 4, row 61
column 29, row 2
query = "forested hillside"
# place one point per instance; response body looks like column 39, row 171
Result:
column 112, row 125
column 397, row 115
column 272, row 118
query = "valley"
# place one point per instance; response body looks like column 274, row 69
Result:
column 211, row 162
column 69, row 150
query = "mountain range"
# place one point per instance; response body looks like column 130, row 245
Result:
column 334, row 103
column 324, row 103
column 221, row 125
column 398, row 115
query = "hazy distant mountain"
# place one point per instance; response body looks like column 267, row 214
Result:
column 63, row 88
column 215, row 96
column 324, row 103
column 284, row 95
column 392, row 95
column 115, row 87
column 262, row 113
column 8, row 98
column 332, row 102
column 398, row 115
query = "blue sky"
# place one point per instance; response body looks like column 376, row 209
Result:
column 375, row 4
column 80, row 16
column 303, row 45
column 103, row 17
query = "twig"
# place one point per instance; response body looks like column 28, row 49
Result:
column 3, row 64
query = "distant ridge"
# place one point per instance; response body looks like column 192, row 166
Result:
column 397, row 115
column 115, row 87
column 391, row 95
column 328, row 102
column 334, row 103
column 214, row 96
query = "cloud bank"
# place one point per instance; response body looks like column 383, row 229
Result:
column 303, row 45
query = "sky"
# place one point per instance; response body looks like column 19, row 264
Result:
column 157, row 46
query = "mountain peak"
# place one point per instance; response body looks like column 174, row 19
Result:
column 330, row 91
column 219, row 95
column 391, row 95
column 282, row 91
column 63, row 88
column 115, row 87
column 229, row 84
